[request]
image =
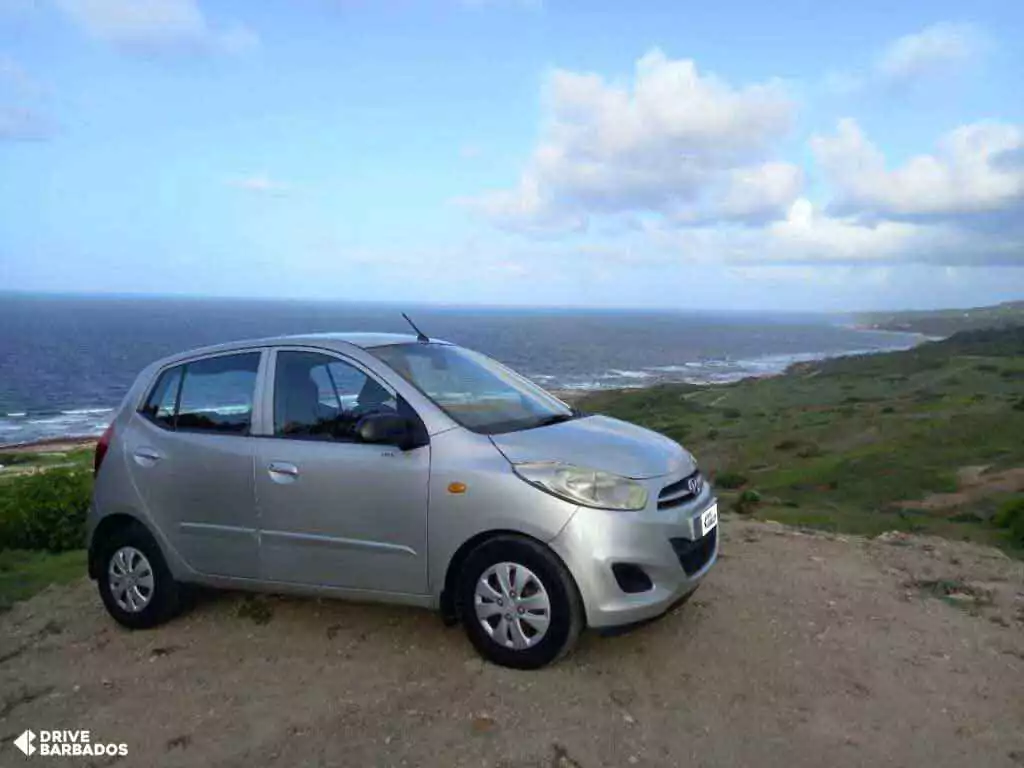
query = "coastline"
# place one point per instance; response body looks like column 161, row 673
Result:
column 570, row 395
column 52, row 445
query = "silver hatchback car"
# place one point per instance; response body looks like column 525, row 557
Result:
column 392, row 468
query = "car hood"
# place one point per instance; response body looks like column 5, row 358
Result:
column 598, row 442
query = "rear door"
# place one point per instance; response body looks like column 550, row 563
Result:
column 191, row 457
column 334, row 511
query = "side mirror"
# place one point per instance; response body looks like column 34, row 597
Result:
column 386, row 429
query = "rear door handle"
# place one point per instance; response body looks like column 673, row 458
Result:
column 147, row 457
column 283, row 468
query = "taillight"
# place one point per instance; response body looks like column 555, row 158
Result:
column 101, row 449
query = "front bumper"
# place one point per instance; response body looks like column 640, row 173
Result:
column 657, row 541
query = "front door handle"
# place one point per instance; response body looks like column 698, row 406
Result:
column 283, row 468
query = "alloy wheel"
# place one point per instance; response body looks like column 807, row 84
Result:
column 512, row 605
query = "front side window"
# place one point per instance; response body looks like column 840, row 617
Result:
column 319, row 397
column 477, row 392
column 217, row 394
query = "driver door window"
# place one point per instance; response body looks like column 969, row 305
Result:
column 319, row 397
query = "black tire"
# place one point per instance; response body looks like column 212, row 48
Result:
column 566, row 617
column 165, row 601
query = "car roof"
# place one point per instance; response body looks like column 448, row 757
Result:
column 336, row 341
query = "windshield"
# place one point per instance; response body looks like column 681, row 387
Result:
column 477, row 392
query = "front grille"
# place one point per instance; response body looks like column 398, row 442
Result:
column 694, row 555
column 681, row 491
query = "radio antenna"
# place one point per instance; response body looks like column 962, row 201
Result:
column 420, row 335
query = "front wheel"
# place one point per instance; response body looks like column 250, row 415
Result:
column 519, row 604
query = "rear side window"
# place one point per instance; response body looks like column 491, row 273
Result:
column 163, row 398
column 212, row 395
column 217, row 394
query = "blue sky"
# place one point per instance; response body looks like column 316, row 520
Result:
column 790, row 155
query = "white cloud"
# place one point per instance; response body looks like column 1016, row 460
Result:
column 936, row 55
column 673, row 141
column 535, row 5
column 14, row 79
column 260, row 183
column 156, row 26
column 22, row 124
column 760, row 190
column 809, row 236
column 22, row 106
column 939, row 49
column 968, row 174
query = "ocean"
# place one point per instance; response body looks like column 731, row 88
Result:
column 66, row 361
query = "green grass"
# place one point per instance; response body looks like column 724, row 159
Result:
column 23, row 573
column 842, row 444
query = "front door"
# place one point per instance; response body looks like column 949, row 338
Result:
column 191, row 458
column 335, row 511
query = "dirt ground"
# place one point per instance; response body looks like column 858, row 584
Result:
column 799, row 650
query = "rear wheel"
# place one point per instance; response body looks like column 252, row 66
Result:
column 519, row 604
column 135, row 584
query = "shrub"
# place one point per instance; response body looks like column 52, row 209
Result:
column 888, row 409
column 809, row 451
column 747, row 502
column 712, row 433
column 787, row 445
column 731, row 413
column 45, row 510
column 1011, row 516
column 730, row 480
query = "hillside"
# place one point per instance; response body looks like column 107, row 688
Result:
column 923, row 440
column 945, row 322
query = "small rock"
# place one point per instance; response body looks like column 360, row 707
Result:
column 622, row 696
column 483, row 724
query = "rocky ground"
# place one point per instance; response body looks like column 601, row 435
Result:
column 799, row 650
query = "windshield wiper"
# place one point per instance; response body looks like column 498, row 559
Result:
column 555, row 418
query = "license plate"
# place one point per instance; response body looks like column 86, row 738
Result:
column 708, row 519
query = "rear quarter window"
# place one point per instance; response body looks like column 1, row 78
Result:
column 163, row 398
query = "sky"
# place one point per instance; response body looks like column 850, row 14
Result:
column 734, row 154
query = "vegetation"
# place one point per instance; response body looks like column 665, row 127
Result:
column 857, row 443
column 45, row 510
column 43, row 501
column 945, row 322
column 1011, row 517
column 24, row 572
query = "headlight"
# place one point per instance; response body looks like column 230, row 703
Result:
column 580, row 485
